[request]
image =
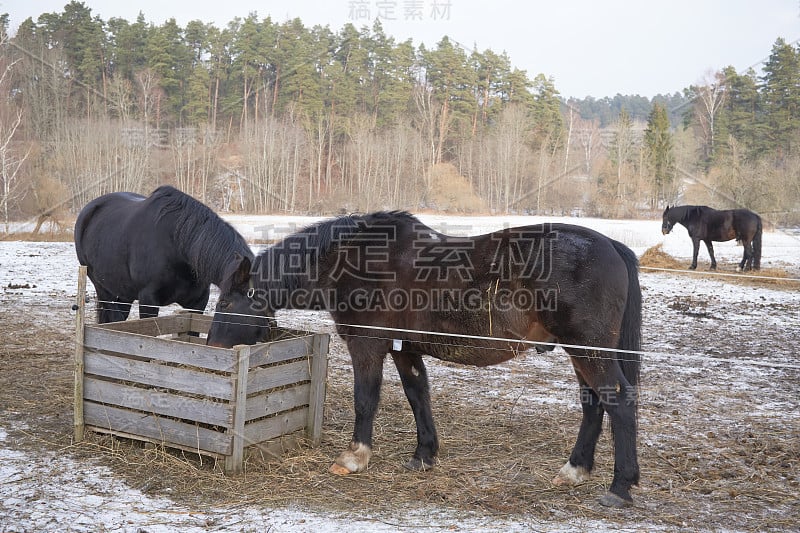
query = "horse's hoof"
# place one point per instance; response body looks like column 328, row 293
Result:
column 559, row 481
column 418, row 465
column 571, row 475
column 609, row 499
column 339, row 470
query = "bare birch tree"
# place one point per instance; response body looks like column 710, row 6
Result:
column 709, row 99
column 11, row 161
column 12, row 156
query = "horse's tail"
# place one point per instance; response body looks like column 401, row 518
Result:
column 630, row 338
column 757, row 246
column 81, row 223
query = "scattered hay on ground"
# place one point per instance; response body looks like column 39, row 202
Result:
column 656, row 259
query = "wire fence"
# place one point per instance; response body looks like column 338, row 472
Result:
column 588, row 351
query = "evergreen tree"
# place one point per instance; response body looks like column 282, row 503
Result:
column 127, row 46
column 781, row 97
column 546, row 111
column 170, row 59
column 451, row 80
column 741, row 115
column 658, row 145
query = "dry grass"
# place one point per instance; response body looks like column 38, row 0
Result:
column 655, row 258
column 451, row 192
column 63, row 235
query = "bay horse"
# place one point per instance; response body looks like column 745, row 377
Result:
column 707, row 224
column 161, row 249
column 395, row 286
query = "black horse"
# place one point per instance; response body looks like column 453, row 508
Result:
column 396, row 286
column 706, row 224
column 160, row 249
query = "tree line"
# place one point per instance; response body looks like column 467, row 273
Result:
column 267, row 116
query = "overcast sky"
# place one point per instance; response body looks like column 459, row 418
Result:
column 597, row 48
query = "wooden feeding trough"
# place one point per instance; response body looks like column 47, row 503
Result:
column 155, row 380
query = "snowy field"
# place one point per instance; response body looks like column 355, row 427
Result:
column 49, row 492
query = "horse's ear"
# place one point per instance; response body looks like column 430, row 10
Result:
column 241, row 276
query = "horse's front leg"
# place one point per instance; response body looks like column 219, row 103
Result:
column 367, row 361
column 695, row 251
column 415, row 384
column 710, row 248
column 149, row 302
column 109, row 308
column 195, row 302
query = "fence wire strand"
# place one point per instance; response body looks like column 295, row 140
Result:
column 641, row 353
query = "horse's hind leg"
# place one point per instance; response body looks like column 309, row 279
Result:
column 747, row 255
column 367, row 356
column 415, row 384
column 581, row 461
column 618, row 398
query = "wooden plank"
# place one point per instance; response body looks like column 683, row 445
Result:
column 201, row 410
column 158, row 375
column 275, row 448
column 157, row 442
column 262, row 379
column 283, row 350
column 275, row 402
column 272, row 428
column 200, row 323
column 167, row 350
column 153, row 327
column 233, row 463
column 163, row 430
column 316, row 396
column 184, row 337
column 80, row 318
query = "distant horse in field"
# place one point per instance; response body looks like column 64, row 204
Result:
column 396, row 286
column 707, row 224
column 160, row 249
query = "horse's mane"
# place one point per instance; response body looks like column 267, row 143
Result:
column 287, row 264
column 207, row 241
column 682, row 213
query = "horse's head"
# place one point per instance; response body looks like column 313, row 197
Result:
column 242, row 314
column 666, row 222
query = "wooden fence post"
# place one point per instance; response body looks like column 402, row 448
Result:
column 233, row 462
column 80, row 318
column 316, row 400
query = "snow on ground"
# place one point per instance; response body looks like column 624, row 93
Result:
column 47, row 493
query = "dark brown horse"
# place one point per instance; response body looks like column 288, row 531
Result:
column 395, row 286
column 164, row 248
column 707, row 224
